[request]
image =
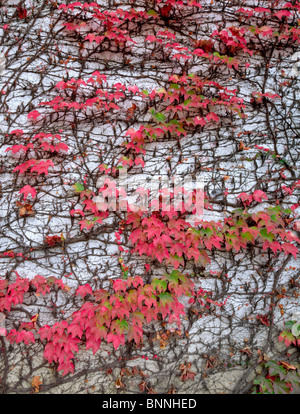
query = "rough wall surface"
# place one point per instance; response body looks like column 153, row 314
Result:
column 259, row 288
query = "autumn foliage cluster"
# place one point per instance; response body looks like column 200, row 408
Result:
column 187, row 103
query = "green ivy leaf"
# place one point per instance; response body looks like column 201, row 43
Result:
column 159, row 117
column 276, row 369
column 165, row 298
column 289, row 324
column 247, row 235
column 159, row 284
column 78, row 187
column 265, row 384
column 280, row 387
column 294, row 379
column 269, row 236
column 151, row 12
column 186, row 102
column 123, row 323
column 296, row 329
column 175, row 276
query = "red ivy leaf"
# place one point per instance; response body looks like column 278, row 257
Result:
column 258, row 195
column 42, row 167
column 289, row 248
column 33, row 115
column 165, row 11
column 263, row 319
column 27, row 190
column 22, row 13
column 84, row 290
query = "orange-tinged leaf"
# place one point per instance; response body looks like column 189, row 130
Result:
column 119, row 383
column 36, row 383
column 242, row 147
column 287, row 365
column 25, row 209
column 34, row 319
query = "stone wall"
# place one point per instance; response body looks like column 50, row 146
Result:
column 225, row 344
